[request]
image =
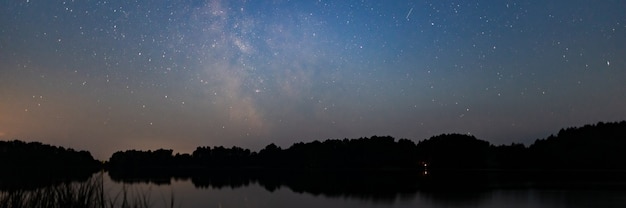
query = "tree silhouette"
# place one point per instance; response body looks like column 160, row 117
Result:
column 454, row 151
column 31, row 165
column 18, row 155
column 599, row 146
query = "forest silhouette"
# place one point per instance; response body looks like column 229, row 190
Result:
column 382, row 168
column 596, row 147
column 601, row 146
column 31, row 165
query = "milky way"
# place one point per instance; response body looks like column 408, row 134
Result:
column 115, row 75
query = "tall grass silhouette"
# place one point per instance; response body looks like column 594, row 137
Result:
column 88, row 194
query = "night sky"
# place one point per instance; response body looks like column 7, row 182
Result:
column 114, row 75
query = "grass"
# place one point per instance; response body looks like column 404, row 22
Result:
column 89, row 194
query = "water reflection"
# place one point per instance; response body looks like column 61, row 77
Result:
column 375, row 189
column 466, row 187
column 376, row 185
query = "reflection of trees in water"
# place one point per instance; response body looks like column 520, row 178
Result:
column 375, row 185
column 467, row 198
column 380, row 186
column 366, row 185
column 464, row 187
column 222, row 180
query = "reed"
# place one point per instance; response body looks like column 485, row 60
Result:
column 89, row 194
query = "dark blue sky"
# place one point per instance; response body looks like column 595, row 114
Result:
column 115, row 75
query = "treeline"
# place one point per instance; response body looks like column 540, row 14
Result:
column 599, row 146
column 15, row 155
column 592, row 147
column 372, row 153
column 33, row 164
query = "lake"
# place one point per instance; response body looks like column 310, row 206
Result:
column 386, row 189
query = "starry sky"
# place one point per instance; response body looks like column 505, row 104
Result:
column 105, row 75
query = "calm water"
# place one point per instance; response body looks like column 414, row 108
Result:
column 378, row 190
column 186, row 195
column 389, row 190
